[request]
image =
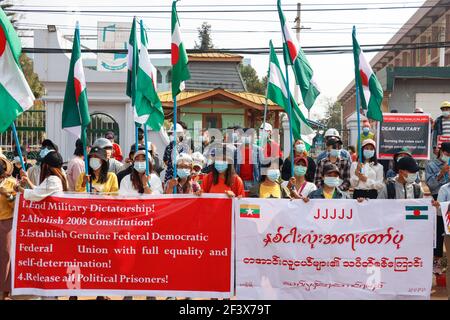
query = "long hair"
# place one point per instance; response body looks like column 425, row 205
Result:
column 47, row 171
column 136, row 179
column 103, row 176
column 229, row 175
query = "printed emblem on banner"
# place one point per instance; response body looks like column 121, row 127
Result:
column 417, row 212
column 250, row 211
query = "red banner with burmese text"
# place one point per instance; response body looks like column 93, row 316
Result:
column 89, row 245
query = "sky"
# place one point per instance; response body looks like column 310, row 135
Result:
column 332, row 72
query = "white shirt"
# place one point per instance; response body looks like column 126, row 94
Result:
column 49, row 186
column 374, row 174
column 307, row 189
column 126, row 186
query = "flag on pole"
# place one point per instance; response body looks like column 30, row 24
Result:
column 147, row 101
column 295, row 56
column 75, row 114
column 370, row 90
column 132, row 62
column 278, row 93
column 15, row 93
column 180, row 70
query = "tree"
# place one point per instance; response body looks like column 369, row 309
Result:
column 252, row 81
column 332, row 117
column 204, row 36
column 32, row 78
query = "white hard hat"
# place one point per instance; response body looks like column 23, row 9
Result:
column 102, row 143
column 332, row 133
column 184, row 157
column 266, row 126
column 198, row 159
column 178, row 127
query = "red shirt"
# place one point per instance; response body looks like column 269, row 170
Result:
column 272, row 145
column 246, row 172
column 237, row 187
column 117, row 152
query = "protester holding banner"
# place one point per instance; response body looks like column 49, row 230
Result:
column 178, row 135
column 330, row 187
column 34, row 172
column 393, row 170
column 442, row 124
column 183, row 184
column 270, row 185
column 76, row 165
column 333, row 135
column 299, row 151
column 7, row 197
column 137, row 182
column 113, row 165
column 99, row 178
column 298, row 186
column 52, row 180
column 404, row 185
column 366, row 177
column 334, row 158
column 223, row 178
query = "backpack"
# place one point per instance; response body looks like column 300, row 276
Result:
column 390, row 186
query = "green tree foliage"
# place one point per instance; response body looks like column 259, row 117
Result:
column 32, row 78
column 204, row 36
column 253, row 83
column 332, row 117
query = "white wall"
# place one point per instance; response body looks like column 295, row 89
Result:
column 431, row 102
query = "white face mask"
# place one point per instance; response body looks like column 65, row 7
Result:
column 411, row 178
column 140, row 166
column 95, row 163
column 446, row 113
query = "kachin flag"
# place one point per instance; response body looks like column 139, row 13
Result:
column 148, row 104
column 417, row 212
column 295, row 56
column 180, row 69
column 75, row 114
column 250, row 211
column 278, row 93
column 370, row 90
column 15, row 94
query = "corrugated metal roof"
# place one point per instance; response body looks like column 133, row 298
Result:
column 208, row 76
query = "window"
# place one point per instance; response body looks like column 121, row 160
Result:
column 159, row 77
column 169, row 77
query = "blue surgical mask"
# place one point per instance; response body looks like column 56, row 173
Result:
column 273, row 174
column 368, row 154
column 43, row 153
column 300, row 148
column 332, row 181
column 140, row 166
column 366, row 130
column 334, row 153
column 221, row 166
column 445, row 158
column 183, row 173
column 300, row 171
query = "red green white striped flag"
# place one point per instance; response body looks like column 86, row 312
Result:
column 15, row 93
column 75, row 114
column 295, row 56
column 370, row 89
column 180, row 70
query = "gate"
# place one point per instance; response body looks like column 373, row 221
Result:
column 100, row 124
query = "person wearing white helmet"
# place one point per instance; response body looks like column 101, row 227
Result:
column 442, row 124
column 105, row 144
column 184, row 183
column 182, row 147
column 271, row 149
column 333, row 134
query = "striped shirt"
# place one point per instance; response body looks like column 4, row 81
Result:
column 445, row 127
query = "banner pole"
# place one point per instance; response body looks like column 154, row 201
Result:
column 19, row 151
column 86, row 167
column 147, row 164
column 174, row 153
column 291, row 135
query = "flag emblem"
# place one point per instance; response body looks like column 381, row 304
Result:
column 250, row 211
column 417, row 213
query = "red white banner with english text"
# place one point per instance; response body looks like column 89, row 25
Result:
column 333, row 249
column 72, row 245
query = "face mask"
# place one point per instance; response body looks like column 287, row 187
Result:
column 183, row 173
column 368, row 154
column 273, row 175
column 332, row 181
column 140, row 166
column 95, row 163
column 221, row 166
column 300, row 148
column 446, row 113
column 43, row 153
column 411, row 177
column 445, row 158
column 334, row 153
column 300, row 171
column 366, row 130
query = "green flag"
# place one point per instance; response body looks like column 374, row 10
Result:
column 180, row 70
column 75, row 114
column 295, row 56
column 278, row 93
column 133, row 62
column 148, row 104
